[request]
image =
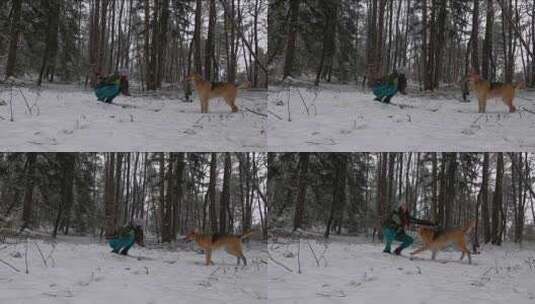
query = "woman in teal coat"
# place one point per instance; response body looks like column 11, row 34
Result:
column 387, row 87
column 125, row 238
column 110, row 87
column 394, row 228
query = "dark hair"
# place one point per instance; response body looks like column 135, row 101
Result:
column 404, row 216
column 402, row 83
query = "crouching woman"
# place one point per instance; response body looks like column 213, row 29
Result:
column 125, row 238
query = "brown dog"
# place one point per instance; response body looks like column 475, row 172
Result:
column 208, row 90
column 211, row 242
column 438, row 240
column 485, row 90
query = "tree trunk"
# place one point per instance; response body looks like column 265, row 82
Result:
column 497, row 202
column 67, row 161
column 179, row 193
column 210, row 44
column 475, row 37
column 292, row 38
column 211, row 193
column 53, row 9
column 381, row 193
column 197, row 61
column 15, row 30
column 339, row 193
column 301, row 190
column 487, row 44
column 28, row 192
column 110, row 206
column 225, row 196
column 161, row 196
column 484, row 199
column 434, row 183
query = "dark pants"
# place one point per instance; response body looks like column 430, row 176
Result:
column 400, row 236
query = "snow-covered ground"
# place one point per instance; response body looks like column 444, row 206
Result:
column 69, row 118
column 344, row 118
column 352, row 270
column 84, row 272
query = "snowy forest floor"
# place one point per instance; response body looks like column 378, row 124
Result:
column 353, row 270
column 69, row 118
column 344, row 118
column 81, row 271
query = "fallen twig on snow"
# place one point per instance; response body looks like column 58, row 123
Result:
column 277, row 116
column 313, row 254
column 10, row 266
column 11, row 118
column 279, row 263
column 28, row 107
column 330, row 142
column 299, row 257
column 26, row 256
column 288, row 104
column 338, row 294
column 257, row 113
column 529, row 111
column 303, row 100
column 40, row 253
column 49, row 256
column 480, row 116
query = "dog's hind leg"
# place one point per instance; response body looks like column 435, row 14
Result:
column 242, row 258
column 509, row 103
column 482, row 103
column 467, row 252
column 462, row 247
column 204, row 104
column 209, row 257
column 237, row 252
column 231, row 101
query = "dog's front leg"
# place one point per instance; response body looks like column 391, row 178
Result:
column 208, row 257
column 482, row 104
column 204, row 105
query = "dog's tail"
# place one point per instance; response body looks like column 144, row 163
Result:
column 246, row 235
column 469, row 227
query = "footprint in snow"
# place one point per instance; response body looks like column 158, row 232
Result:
column 354, row 283
column 205, row 284
column 468, row 131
